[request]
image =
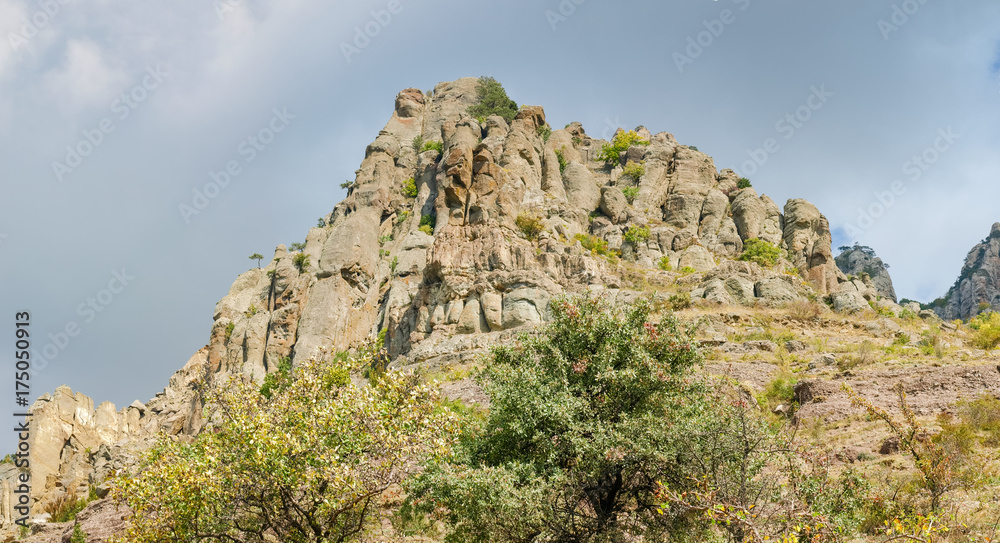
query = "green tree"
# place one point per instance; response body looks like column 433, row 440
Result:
column 258, row 257
column 306, row 464
column 492, row 100
column 301, row 262
column 580, row 430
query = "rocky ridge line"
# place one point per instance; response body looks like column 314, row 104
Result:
column 476, row 277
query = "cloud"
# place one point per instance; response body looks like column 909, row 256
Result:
column 11, row 15
column 85, row 79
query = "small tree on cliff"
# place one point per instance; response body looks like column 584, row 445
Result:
column 258, row 257
column 306, row 462
column 493, row 100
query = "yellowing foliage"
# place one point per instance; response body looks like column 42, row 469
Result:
column 307, row 465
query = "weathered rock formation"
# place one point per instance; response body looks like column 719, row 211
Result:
column 444, row 293
column 978, row 283
column 861, row 260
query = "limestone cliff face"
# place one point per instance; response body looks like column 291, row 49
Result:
column 978, row 283
column 858, row 260
column 475, row 277
column 74, row 446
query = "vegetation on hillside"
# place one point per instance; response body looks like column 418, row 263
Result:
column 492, row 99
column 620, row 143
column 602, row 427
column 762, row 252
column 306, row 461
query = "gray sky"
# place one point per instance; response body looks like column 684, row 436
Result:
column 199, row 79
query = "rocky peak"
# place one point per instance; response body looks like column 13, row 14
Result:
column 977, row 284
column 861, row 260
column 450, row 247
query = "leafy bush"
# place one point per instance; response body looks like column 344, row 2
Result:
column 427, row 224
column 595, row 245
column 347, row 184
column 680, row 301
column 779, row 391
column 636, row 235
column 561, row 157
column 612, row 152
column 418, row 143
column 983, row 416
column 664, row 263
column 584, row 419
column 410, row 188
column 880, row 310
column 309, row 464
column 529, row 225
column 743, row 183
column 301, row 262
column 433, row 146
column 78, row 536
column 634, row 171
column 393, row 264
column 987, row 330
column 229, row 330
column 631, row 193
column 687, row 270
column 907, row 315
column 278, row 380
column 492, row 99
column 761, row 252
column 545, row 131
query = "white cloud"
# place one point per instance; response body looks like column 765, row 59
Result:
column 85, row 78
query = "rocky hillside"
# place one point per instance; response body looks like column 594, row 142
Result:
column 858, row 260
column 455, row 234
column 978, row 284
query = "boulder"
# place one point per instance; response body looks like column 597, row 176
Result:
column 698, row 258
column 613, row 204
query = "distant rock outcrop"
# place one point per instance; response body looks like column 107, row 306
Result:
column 449, row 271
column 978, row 285
column 858, row 260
